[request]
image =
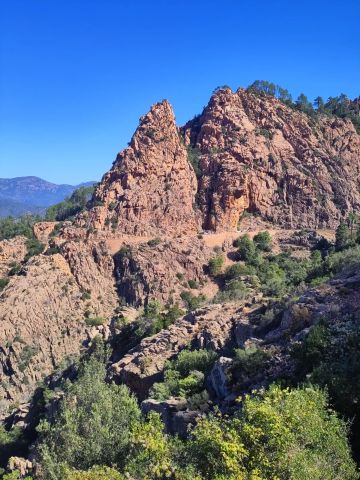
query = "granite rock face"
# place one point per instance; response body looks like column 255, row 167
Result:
column 256, row 153
column 42, row 314
column 151, row 187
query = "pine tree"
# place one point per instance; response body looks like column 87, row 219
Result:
column 342, row 236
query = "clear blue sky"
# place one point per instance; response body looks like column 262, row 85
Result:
column 75, row 75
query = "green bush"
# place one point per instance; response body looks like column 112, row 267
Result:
column 342, row 237
column 248, row 363
column 285, row 434
column 216, row 265
column 189, row 360
column 246, row 248
column 3, row 283
column 193, row 284
column 95, row 473
column 34, row 247
column 263, row 241
column 10, row 227
column 193, row 154
column 92, row 427
column 184, row 377
column 192, row 301
column 154, row 242
column 156, row 318
column 95, row 321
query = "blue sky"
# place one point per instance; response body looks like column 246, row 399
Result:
column 75, row 75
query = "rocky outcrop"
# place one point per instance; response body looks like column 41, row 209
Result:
column 258, row 154
column 12, row 252
column 160, row 269
column 151, row 187
column 42, row 230
column 210, row 327
column 174, row 413
column 43, row 313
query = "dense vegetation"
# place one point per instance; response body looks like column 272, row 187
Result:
column 257, row 269
column 10, row 226
column 99, row 433
column 70, row 206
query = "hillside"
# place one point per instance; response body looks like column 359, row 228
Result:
column 218, row 246
column 22, row 195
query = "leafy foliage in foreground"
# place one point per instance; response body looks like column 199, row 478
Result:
column 282, row 434
column 93, row 426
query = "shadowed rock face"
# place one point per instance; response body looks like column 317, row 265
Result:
column 258, row 154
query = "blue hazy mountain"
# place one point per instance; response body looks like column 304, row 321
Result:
column 22, row 195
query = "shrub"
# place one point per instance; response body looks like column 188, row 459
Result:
column 95, row 473
column 95, row 321
column 3, row 283
column 262, row 241
column 246, row 248
column 279, row 434
column 193, row 284
column 53, row 250
column 191, row 301
column 27, row 353
column 342, row 237
column 265, row 133
column 237, row 270
column 248, row 363
column 156, row 317
column 10, row 227
column 154, row 455
column 34, row 247
column 86, row 295
column 193, row 154
column 93, row 425
column 216, row 265
column 15, row 269
column 154, row 242
column 189, row 360
column 184, row 377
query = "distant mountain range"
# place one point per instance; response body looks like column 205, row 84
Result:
column 22, row 195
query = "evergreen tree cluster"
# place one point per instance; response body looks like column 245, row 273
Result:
column 340, row 106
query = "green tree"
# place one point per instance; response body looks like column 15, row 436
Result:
column 263, row 241
column 319, row 104
column 216, row 265
column 93, row 426
column 282, row 434
column 342, row 236
column 303, row 104
column 10, row 227
column 246, row 248
column 70, row 206
column 153, row 454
